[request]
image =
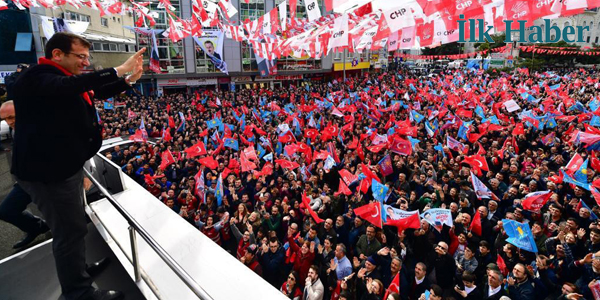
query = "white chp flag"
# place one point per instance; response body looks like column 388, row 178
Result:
column 480, row 189
column 407, row 40
column 228, row 8
column 283, row 15
column 312, row 10
column 393, row 41
column 266, row 24
column 339, row 36
column 399, row 17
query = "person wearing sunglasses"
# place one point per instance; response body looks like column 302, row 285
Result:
column 291, row 288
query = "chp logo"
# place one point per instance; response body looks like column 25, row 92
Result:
column 311, row 6
column 338, row 34
column 519, row 9
column 464, row 5
column 542, row 3
column 398, row 13
column 427, row 33
column 446, row 32
column 406, row 40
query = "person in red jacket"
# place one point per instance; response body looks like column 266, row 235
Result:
column 305, row 255
column 291, row 288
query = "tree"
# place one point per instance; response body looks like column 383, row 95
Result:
column 444, row 49
column 498, row 42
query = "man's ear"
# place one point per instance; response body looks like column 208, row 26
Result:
column 57, row 54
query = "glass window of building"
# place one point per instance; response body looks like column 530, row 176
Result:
column 104, row 22
column 171, row 56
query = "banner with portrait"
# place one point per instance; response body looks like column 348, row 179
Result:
column 437, row 217
column 211, row 43
column 393, row 213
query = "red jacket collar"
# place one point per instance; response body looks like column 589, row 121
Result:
column 45, row 61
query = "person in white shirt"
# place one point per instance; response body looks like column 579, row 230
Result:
column 313, row 289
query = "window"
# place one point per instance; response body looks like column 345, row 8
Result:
column 596, row 42
column 122, row 48
column 113, row 47
column 589, row 38
column 97, row 46
column 69, row 15
column 105, row 47
column 104, row 22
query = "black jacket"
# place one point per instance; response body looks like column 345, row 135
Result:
column 57, row 129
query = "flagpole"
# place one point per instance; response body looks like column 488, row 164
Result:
column 345, row 65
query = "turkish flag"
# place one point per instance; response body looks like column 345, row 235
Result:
column 353, row 144
column 247, row 165
column 287, row 137
column 166, row 159
column 410, row 130
column 209, row 162
column 394, row 285
column 478, row 162
column 370, row 175
column 501, row 265
column 475, row 226
column 370, row 212
column 330, row 132
column 322, row 154
column 343, row 189
column 376, row 148
column 360, row 153
column 286, row 164
column 195, row 150
column 306, row 203
column 171, row 122
column 311, row 133
column 519, row 129
column 401, row 146
column 413, row 221
column 594, row 161
column 535, row 201
column 574, row 164
column 348, row 177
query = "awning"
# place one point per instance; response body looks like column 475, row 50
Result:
column 104, row 38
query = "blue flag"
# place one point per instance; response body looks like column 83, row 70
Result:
column 214, row 123
column 260, row 151
column 108, row 105
column 219, row 190
column 415, row 116
column 569, row 179
column 182, row 125
column 232, row 143
column 519, row 234
column 379, row 193
column 581, row 174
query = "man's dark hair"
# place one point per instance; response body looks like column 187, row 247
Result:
column 63, row 41
column 273, row 240
column 315, row 268
column 209, row 42
column 468, row 277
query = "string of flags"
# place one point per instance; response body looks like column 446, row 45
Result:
column 274, row 35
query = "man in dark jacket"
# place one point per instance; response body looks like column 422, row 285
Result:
column 520, row 287
column 272, row 260
column 444, row 267
column 56, row 134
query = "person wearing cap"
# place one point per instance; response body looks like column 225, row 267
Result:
column 369, row 271
column 250, row 260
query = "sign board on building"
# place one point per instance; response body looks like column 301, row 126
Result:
column 497, row 63
column 358, row 66
column 172, row 82
column 201, row 81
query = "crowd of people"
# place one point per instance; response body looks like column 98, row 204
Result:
column 274, row 176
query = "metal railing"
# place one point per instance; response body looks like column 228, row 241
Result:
column 134, row 227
